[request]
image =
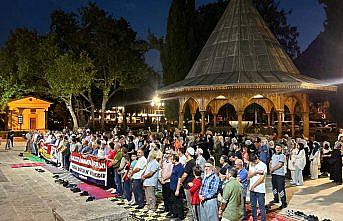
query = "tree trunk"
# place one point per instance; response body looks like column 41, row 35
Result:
column 72, row 113
column 103, row 109
column 92, row 107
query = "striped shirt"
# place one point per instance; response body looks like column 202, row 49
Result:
column 209, row 187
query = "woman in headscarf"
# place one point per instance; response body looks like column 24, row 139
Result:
column 326, row 152
column 291, row 160
column 336, row 164
column 315, row 160
column 300, row 162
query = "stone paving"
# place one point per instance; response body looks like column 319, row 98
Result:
column 29, row 195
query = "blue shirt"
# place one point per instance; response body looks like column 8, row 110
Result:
column 276, row 159
column 243, row 176
column 151, row 167
column 176, row 174
column 264, row 153
column 210, row 186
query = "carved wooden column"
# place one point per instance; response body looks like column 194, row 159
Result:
column 203, row 113
column 279, row 124
column 240, row 123
column 193, row 123
column 293, row 125
column 268, row 118
column 306, row 123
column 181, row 116
column 214, row 120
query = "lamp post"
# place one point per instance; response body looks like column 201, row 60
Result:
column 156, row 103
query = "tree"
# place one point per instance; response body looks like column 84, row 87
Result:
column 178, row 48
column 69, row 76
column 322, row 59
column 117, row 53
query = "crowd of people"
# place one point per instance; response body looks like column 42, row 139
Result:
column 210, row 174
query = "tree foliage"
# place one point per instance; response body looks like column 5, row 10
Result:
column 323, row 58
column 68, row 76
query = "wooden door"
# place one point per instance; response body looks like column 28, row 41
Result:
column 33, row 124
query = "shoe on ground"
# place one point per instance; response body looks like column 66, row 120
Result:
column 292, row 183
column 274, row 202
column 139, row 207
column 84, row 193
column 283, row 206
column 56, row 176
column 90, row 199
column 110, row 190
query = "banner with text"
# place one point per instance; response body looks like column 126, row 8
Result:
column 48, row 152
column 89, row 168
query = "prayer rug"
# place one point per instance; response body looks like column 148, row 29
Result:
column 273, row 216
column 95, row 191
column 34, row 158
column 53, row 169
column 3, row 178
column 19, row 165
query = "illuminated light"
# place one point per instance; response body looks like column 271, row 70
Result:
column 258, row 96
column 221, row 97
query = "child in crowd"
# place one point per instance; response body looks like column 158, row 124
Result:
column 132, row 165
column 194, row 192
column 126, row 178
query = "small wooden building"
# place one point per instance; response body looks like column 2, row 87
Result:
column 28, row 113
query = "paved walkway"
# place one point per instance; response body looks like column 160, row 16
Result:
column 29, row 195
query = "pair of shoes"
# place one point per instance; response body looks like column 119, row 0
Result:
column 66, row 183
column 76, row 190
column 284, row 205
column 84, row 193
column 58, row 181
column 20, row 155
column 70, row 186
column 90, row 199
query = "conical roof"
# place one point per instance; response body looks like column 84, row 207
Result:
column 241, row 50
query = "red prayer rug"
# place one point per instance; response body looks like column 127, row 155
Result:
column 19, row 165
column 95, row 191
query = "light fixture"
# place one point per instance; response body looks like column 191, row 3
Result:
column 258, row 96
column 221, row 97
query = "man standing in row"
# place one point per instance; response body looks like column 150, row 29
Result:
column 257, row 174
column 208, row 194
column 277, row 169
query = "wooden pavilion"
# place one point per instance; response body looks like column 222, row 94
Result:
column 242, row 63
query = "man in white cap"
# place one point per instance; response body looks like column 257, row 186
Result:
column 188, row 176
column 200, row 161
column 208, row 194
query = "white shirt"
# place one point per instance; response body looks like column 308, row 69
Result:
column 141, row 164
column 261, row 188
column 183, row 160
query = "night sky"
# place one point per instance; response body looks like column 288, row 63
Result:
column 307, row 15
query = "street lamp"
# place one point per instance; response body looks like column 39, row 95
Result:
column 157, row 103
